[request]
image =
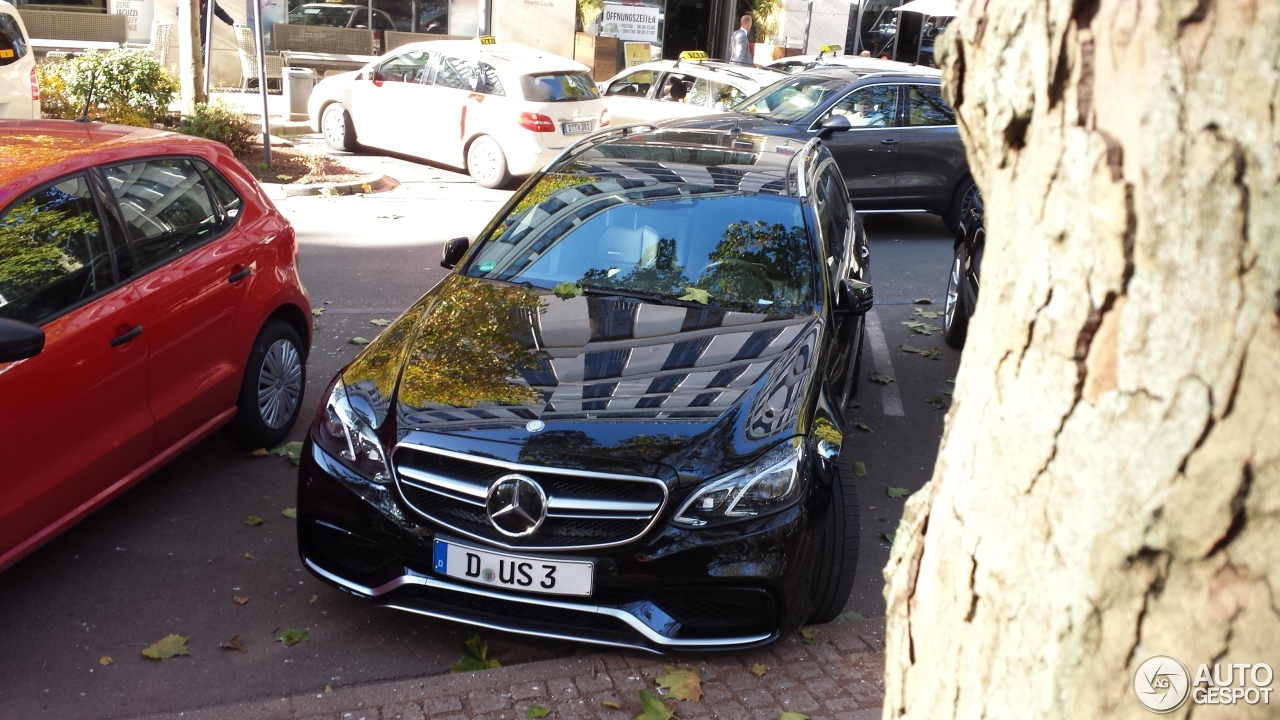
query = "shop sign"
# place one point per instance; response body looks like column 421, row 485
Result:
column 629, row 22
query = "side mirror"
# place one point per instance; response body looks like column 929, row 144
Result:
column 856, row 297
column 19, row 341
column 453, row 252
column 831, row 125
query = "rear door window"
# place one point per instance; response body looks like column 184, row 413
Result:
column 12, row 47
column 452, row 72
column 167, row 208
column 559, row 87
column 230, row 201
column 53, row 253
column 925, row 107
column 636, row 84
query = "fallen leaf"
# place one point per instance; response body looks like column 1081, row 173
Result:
column 952, row 381
column 233, row 643
column 810, row 635
column 680, row 684
column 896, row 492
column 291, row 450
column 909, row 349
column 888, row 536
column 851, row 615
column 380, row 322
column 536, row 711
column 859, row 469
column 328, row 688
column 167, row 647
column 698, row 295
column 946, row 392
column 758, row 670
column 291, row 513
column 366, row 187
column 923, row 301
column 934, row 354
column 314, row 598
column 652, row 708
column 880, row 378
column 357, row 340
column 284, row 178
column 611, row 704
column 930, row 314
column 317, row 312
column 240, row 600
column 392, row 216
column 862, row 426
column 871, row 507
column 328, row 302
column 792, row 715
column 260, row 452
column 475, row 656
column 253, row 521
column 292, row 637
column 104, row 660
column 567, row 290
column 936, row 402
column 248, row 556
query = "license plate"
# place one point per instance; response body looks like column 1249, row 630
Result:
column 514, row 572
column 576, row 128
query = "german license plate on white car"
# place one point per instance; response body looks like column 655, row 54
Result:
column 577, row 128
column 516, row 572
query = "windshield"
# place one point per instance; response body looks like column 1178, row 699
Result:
column 559, row 87
column 791, row 99
column 322, row 15
column 681, row 243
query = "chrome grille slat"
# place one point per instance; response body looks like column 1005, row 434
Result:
column 585, row 509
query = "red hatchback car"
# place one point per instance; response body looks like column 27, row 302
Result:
column 149, row 294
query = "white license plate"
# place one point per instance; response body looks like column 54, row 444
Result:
column 576, row 128
column 515, row 572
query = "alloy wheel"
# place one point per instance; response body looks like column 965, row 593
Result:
column 483, row 161
column 953, row 289
column 335, row 130
column 279, row 384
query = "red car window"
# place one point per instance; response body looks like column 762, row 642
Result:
column 167, row 208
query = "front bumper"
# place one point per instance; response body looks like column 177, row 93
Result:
column 671, row 590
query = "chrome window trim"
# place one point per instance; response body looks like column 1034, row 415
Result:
column 518, row 467
column 412, row 578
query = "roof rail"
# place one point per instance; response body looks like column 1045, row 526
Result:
column 596, row 138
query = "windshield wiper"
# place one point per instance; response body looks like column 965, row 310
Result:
column 653, row 297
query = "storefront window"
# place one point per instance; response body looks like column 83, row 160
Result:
column 877, row 29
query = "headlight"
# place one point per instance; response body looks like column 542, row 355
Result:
column 345, row 435
column 767, row 485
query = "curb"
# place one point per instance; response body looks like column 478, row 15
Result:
column 363, row 186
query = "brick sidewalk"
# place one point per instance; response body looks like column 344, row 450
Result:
column 838, row 678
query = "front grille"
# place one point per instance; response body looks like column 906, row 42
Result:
column 584, row 510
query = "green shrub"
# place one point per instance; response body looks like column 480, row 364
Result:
column 222, row 124
column 129, row 88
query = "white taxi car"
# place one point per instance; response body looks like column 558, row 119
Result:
column 498, row 109
column 829, row 55
column 19, row 93
column 647, row 92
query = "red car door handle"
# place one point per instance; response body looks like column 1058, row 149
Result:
column 239, row 275
column 126, row 336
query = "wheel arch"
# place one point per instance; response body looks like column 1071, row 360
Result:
column 293, row 315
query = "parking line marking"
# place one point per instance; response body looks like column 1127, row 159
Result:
column 890, row 400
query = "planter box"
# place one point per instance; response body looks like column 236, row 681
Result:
column 598, row 53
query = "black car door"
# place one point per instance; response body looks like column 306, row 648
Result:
column 931, row 159
column 867, row 153
column 835, row 221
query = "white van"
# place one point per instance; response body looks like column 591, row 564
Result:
column 19, row 93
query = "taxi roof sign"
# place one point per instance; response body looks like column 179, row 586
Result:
column 693, row 55
column 487, row 40
column 833, row 49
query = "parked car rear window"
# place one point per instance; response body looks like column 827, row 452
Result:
column 52, row 252
column 559, row 87
column 166, row 206
column 12, row 46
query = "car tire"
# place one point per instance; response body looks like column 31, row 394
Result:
column 336, row 126
column 955, row 309
column 275, row 377
column 486, row 162
column 837, row 556
column 966, row 196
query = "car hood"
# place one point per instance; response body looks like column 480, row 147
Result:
column 592, row 382
column 746, row 123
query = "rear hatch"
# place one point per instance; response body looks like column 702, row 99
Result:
column 16, row 67
column 568, row 98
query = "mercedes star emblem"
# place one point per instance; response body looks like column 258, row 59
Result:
column 516, row 505
column 534, row 425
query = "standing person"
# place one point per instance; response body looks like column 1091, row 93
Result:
column 218, row 12
column 740, row 44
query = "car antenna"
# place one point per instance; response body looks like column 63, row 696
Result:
column 84, row 116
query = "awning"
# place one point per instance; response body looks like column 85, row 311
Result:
column 936, row 8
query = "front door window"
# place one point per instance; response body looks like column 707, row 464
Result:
column 868, row 107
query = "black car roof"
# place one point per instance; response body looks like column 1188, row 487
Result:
column 840, row 72
column 744, row 161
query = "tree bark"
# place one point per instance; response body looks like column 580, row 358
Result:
column 1108, row 486
column 190, row 64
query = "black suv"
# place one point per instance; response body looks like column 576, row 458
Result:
column 619, row 419
column 900, row 150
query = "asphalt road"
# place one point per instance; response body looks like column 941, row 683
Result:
column 174, row 553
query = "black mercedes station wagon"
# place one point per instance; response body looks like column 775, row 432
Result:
column 618, row 420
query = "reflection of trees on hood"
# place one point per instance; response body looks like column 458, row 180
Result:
column 470, row 350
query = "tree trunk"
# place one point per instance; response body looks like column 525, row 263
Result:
column 1108, row 486
column 190, row 64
